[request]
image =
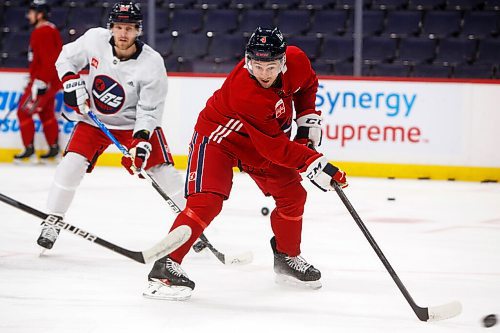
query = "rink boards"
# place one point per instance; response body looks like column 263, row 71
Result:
column 402, row 128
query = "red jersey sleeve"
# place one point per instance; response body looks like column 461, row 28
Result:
column 257, row 116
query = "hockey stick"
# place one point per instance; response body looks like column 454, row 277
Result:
column 170, row 243
column 11, row 109
column 241, row 259
column 434, row 313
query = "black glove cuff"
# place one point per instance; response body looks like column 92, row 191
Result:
column 68, row 73
column 70, row 99
column 330, row 169
column 302, row 132
column 142, row 134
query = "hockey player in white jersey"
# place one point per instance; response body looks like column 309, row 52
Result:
column 126, row 89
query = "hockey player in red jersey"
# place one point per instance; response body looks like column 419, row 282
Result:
column 247, row 123
column 38, row 97
column 126, row 89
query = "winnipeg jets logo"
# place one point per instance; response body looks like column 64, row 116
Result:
column 279, row 108
column 108, row 94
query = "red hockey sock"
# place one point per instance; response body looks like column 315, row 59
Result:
column 26, row 127
column 286, row 220
column 201, row 209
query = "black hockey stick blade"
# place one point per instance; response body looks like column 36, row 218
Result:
column 170, row 243
column 239, row 259
column 435, row 313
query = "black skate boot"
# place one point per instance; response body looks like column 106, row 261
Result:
column 49, row 233
column 168, row 281
column 294, row 270
column 53, row 152
column 29, row 152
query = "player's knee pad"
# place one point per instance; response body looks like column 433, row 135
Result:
column 70, row 171
column 69, row 174
column 204, row 206
column 167, row 176
column 170, row 181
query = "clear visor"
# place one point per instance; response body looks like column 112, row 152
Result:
column 271, row 68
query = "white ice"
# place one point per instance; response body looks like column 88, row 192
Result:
column 441, row 237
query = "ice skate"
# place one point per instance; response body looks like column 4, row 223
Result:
column 49, row 233
column 168, row 281
column 51, row 155
column 27, row 156
column 294, row 271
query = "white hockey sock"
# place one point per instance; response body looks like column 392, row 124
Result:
column 69, row 174
column 170, row 180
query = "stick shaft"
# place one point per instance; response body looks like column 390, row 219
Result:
column 137, row 256
column 175, row 208
column 422, row 313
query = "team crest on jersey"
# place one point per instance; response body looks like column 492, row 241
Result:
column 108, row 94
column 279, row 108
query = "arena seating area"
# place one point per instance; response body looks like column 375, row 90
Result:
column 401, row 38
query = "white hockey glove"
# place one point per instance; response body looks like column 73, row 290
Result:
column 309, row 130
column 140, row 149
column 38, row 88
column 322, row 173
column 75, row 93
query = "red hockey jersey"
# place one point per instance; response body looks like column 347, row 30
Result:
column 45, row 46
column 254, row 123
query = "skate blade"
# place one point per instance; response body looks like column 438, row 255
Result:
column 32, row 160
column 159, row 290
column 50, row 160
column 285, row 280
column 42, row 251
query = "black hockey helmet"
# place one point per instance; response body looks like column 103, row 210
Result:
column 125, row 12
column 40, row 6
column 266, row 44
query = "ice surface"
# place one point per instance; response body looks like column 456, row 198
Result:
column 442, row 238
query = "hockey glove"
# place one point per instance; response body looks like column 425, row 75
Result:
column 75, row 93
column 27, row 104
column 322, row 173
column 309, row 129
column 140, row 149
column 38, row 88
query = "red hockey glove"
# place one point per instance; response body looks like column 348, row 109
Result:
column 309, row 129
column 322, row 173
column 140, row 149
column 75, row 93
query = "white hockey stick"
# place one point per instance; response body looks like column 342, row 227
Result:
column 240, row 259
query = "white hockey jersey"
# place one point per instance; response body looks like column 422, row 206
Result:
column 126, row 94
